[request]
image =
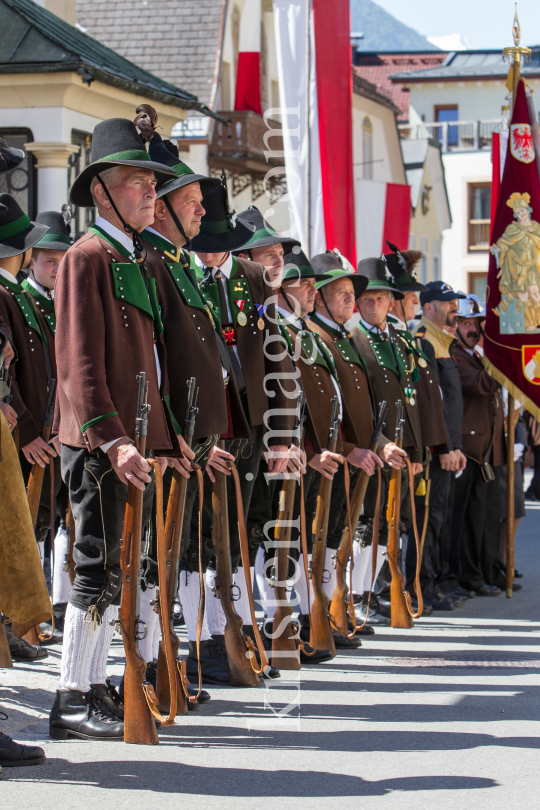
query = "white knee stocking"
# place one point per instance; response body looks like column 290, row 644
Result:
column 98, row 666
column 213, row 610
column 266, row 592
column 80, row 639
column 189, row 598
column 61, row 581
column 301, row 587
column 149, row 616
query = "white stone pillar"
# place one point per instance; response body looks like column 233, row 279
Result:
column 52, row 169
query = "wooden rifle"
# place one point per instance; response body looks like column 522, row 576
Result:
column 399, row 612
column 5, row 396
column 241, row 672
column 285, row 653
column 168, row 590
column 37, row 473
column 321, row 633
column 139, row 725
column 338, row 606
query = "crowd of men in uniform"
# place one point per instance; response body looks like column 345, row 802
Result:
column 171, row 282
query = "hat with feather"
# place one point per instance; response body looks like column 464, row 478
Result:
column 401, row 264
column 333, row 266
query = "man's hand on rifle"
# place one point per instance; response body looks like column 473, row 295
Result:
column 10, row 414
column 277, row 458
column 449, row 461
column 393, row 455
column 183, row 465
column 297, row 460
column 219, row 460
column 326, row 463
column 128, row 464
column 39, row 452
column 367, row 460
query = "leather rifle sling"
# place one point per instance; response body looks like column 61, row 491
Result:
column 303, row 538
column 350, row 601
column 374, row 544
column 426, row 511
column 244, row 551
column 52, row 506
column 162, row 601
column 418, row 554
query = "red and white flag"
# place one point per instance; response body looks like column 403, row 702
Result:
column 248, row 85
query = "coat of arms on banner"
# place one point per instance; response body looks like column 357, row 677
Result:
column 521, row 142
column 530, row 359
column 517, row 253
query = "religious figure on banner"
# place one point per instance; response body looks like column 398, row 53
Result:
column 517, row 253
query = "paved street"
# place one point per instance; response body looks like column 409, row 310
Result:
column 444, row 715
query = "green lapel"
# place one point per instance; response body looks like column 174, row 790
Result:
column 314, row 350
column 171, row 251
column 345, row 347
column 190, row 294
column 199, row 272
column 26, row 306
column 238, row 290
column 45, row 302
column 95, row 229
column 382, row 349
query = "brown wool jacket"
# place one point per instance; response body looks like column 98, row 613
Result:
column 29, row 371
column 104, row 338
column 483, row 413
column 192, row 348
column 354, row 384
column 386, row 386
column 258, row 348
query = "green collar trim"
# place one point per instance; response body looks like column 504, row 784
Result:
column 26, row 306
column 12, row 286
column 129, row 154
column 387, row 351
column 161, row 242
column 97, row 231
column 43, row 300
column 314, row 349
column 13, row 228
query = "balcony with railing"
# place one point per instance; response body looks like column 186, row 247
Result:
column 455, row 136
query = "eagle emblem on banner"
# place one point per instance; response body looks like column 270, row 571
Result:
column 530, row 358
column 521, row 142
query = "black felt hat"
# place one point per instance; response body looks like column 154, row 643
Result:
column 332, row 266
column 221, row 229
column 378, row 276
column 264, row 233
column 166, row 153
column 58, row 235
column 297, row 265
column 115, row 142
column 17, row 232
column 401, row 264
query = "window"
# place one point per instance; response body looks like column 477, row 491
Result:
column 446, row 114
column 478, row 284
column 479, row 216
column 424, row 262
column 81, row 218
column 367, row 147
column 21, row 181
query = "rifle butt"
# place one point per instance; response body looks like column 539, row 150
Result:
column 320, row 631
column 5, row 655
column 285, row 654
column 238, row 657
column 139, row 724
column 399, row 614
column 163, row 687
column 338, row 609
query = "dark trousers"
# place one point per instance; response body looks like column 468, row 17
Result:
column 98, row 501
column 247, row 454
column 475, row 504
column 437, row 512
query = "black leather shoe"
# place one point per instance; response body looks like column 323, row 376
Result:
column 107, row 694
column 488, row 590
column 456, row 601
column 204, row 697
column 427, row 609
column 381, row 605
column 463, row 592
column 317, row 657
column 344, row 642
column 441, row 604
column 75, row 714
column 21, row 650
column 151, row 673
column 214, row 666
column 375, row 617
column 365, row 630
column 15, row 755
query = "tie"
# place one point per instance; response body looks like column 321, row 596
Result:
column 235, row 363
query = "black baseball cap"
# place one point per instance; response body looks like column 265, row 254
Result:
column 438, row 291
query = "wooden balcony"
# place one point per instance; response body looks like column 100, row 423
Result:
column 239, row 147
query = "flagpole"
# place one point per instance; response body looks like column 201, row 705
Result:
column 308, row 129
column 516, row 53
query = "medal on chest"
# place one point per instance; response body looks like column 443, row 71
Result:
column 241, row 318
column 410, row 395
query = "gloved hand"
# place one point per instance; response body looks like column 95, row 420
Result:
column 518, row 450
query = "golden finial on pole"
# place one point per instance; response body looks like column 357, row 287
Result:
column 516, row 53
